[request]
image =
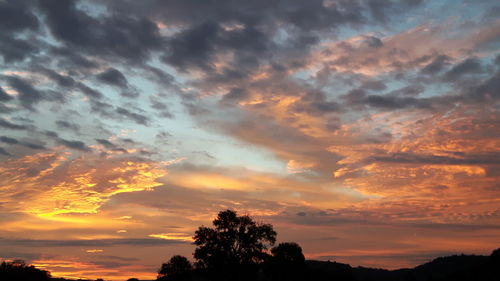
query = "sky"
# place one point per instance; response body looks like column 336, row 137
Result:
column 367, row 131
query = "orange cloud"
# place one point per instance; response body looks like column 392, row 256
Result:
column 173, row 236
column 430, row 160
column 403, row 50
column 52, row 183
column 421, row 145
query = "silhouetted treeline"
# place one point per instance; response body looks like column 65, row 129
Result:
column 238, row 248
column 451, row 268
column 18, row 270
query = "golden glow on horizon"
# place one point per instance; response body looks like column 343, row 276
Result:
column 173, row 236
column 74, row 185
column 93, row 251
column 74, row 269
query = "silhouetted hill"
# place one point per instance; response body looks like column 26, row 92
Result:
column 374, row 274
column 323, row 271
column 451, row 268
column 64, row 279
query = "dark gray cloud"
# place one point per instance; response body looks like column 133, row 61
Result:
column 4, row 108
column 318, row 217
column 8, row 125
column 468, row 66
column 394, row 102
column 130, row 94
column 235, row 95
column 113, row 77
column 408, row 91
column 32, row 145
column 373, row 85
column 21, row 255
column 61, row 80
column 316, row 103
column 373, row 42
column 437, row 65
column 78, row 145
column 72, row 59
column 122, row 36
column 382, row 10
column 28, row 95
column 491, row 158
column 17, row 16
column 161, row 107
column 158, row 75
column 51, row 134
column 497, row 58
column 16, row 50
column 128, row 140
column 489, row 89
column 398, row 99
column 156, row 104
column 193, row 47
column 66, row 125
column 13, row 141
column 8, row 140
column 248, row 28
column 310, row 15
column 138, row 118
column 89, row 92
column 106, row 143
column 89, row 243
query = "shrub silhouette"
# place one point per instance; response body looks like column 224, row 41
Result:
column 289, row 253
column 287, row 262
column 178, row 268
column 18, row 270
column 232, row 249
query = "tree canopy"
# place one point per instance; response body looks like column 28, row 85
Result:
column 236, row 242
column 288, row 252
column 178, row 268
column 18, row 270
column 287, row 262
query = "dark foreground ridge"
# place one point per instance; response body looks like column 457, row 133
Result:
column 236, row 248
column 451, row 268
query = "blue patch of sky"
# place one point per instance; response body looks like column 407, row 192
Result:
column 436, row 12
column 92, row 8
column 187, row 134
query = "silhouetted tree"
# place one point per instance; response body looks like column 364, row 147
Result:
column 288, row 252
column 178, row 268
column 494, row 266
column 18, row 270
column 234, row 247
column 132, row 279
column 495, row 256
column 287, row 262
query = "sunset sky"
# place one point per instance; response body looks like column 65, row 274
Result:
column 367, row 131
